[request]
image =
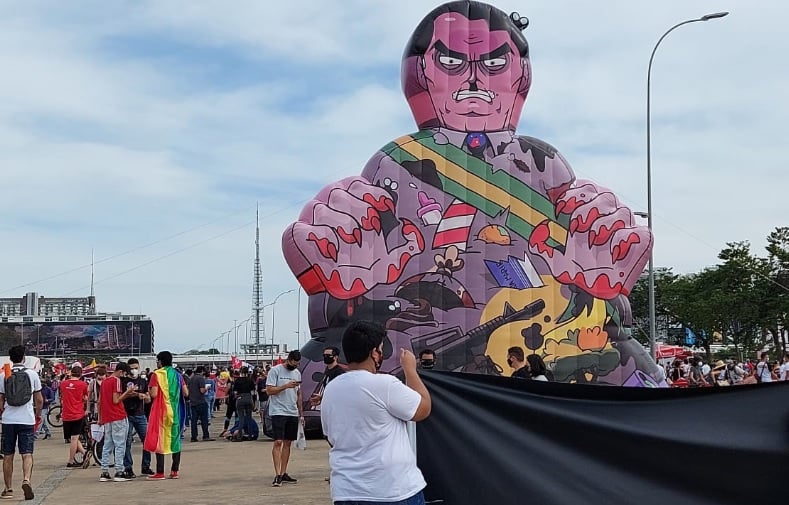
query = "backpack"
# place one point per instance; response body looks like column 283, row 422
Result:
column 18, row 388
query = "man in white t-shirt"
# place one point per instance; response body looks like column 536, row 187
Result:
column 19, row 420
column 763, row 369
column 785, row 368
column 364, row 417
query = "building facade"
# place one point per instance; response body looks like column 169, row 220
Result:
column 34, row 305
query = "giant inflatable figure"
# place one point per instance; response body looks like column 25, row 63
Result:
column 467, row 238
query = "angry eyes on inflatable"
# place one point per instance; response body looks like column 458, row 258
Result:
column 468, row 239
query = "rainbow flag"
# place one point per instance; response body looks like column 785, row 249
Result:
column 168, row 413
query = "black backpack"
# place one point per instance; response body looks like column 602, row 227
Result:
column 18, row 388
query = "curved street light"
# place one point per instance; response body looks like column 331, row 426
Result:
column 273, row 313
column 652, row 323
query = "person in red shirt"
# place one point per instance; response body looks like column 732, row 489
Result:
column 112, row 415
column 74, row 398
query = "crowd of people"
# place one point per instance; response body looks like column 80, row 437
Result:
column 364, row 414
column 694, row 372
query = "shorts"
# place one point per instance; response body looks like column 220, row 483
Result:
column 73, row 428
column 13, row 433
column 285, row 427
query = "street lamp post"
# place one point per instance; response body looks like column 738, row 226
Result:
column 652, row 323
column 273, row 313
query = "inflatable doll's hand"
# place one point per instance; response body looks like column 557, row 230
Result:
column 605, row 251
column 338, row 245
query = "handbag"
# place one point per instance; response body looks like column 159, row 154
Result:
column 301, row 440
column 97, row 432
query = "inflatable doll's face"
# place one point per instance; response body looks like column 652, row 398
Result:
column 475, row 77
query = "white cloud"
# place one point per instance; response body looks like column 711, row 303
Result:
column 107, row 143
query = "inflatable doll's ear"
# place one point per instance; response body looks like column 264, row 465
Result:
column 520, row 21
column 420, row 73
column 525, row 82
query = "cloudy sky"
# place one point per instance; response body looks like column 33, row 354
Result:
column 148, row 130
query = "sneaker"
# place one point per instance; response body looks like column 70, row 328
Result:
column 192, row 439
column 277, row 481
column 129, row 474
column 156, row 476
column 7, row 494
column 209, row 439
column 105, row 477
column 28, row 490
column 174, row 475
column 287, row 478
column 120, row 477
column 146, row 471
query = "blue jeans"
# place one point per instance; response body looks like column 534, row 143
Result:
column 200, row 413
column 417, row 499
column 140, row 425
column 44, row 426
column 115, row 434
column 211, row 400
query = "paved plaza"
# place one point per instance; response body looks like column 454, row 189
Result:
column 211, row 472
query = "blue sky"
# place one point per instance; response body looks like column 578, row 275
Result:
column 127, row 123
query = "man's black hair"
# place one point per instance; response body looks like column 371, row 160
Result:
column 294, row 355
column 17, row 354
column 200, row 370
column 335, row 351
column 516, row 352
column 360, row 338
column 132, row 361
column 123, row 367
column 496, row 18
column 426, row 351
column 165, row 358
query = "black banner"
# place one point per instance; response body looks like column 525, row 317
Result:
column 501, row 441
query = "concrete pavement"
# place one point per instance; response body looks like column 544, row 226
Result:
column 211, row 472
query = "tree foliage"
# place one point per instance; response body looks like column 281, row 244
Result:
column 743, row 301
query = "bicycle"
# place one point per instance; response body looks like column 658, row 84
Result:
column 55, row 415
column 93, row 449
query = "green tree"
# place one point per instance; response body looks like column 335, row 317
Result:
column 775, row 288
column 639, row 303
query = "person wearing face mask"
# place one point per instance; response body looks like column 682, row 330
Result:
column 285, row 407
column 135, row 412
column 364, row 417
column 517, row 361
column 331, row 357
column 427, row 359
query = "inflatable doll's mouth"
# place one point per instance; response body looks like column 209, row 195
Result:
column 482, row 94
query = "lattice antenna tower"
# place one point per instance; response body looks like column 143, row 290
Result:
column 258, row 327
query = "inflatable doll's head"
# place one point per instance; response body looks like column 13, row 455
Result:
column 467, row 68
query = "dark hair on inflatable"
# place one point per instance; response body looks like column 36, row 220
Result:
column 496, row 18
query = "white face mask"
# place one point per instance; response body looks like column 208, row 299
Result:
column 135, row 372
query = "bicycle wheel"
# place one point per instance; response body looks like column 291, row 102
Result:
column 98, row 447
column 55, row 416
